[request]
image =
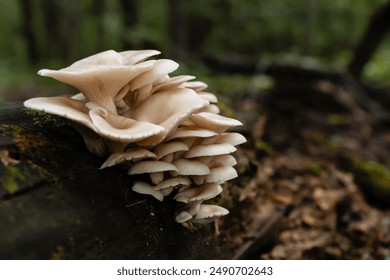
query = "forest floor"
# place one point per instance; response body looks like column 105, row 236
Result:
column 314, row 180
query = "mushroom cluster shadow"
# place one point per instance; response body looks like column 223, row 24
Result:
column 133, row 113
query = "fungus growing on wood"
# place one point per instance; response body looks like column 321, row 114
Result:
column 132, row 112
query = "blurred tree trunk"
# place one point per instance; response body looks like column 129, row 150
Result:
column 51, row 23
column 98, row 8
column 376, row 31
column 130, row 18
column 177, row 28
column 28, row 30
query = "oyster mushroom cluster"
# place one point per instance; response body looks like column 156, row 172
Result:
column 166, row 131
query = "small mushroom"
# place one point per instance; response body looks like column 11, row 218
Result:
column 208, row 213
column 196, row 85
column 183, row 217
column 221, row 174
column 154, row 168
column 210, row 150
column 173, row 182
column 230, row 137
column 203, row 192
column 170, row 83
column 145, row 188
column 168, row 148
column 214, row 122
column 208, row 96
column 187, row 167
column 129, row 155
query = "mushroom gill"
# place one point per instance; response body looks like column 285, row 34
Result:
column 130, row 110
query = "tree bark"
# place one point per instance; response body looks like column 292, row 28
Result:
column 375, row 33
column 28, row 30
column 130, row 18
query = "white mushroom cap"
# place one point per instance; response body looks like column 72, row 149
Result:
column 118, row 128
column 182, row 104
column 203, row 192
column 185, row 132
column 218, row 160
column 214, row 122
column 183, row 217
column 73, row 110
column 191, row 167
column 171, row 83
column 210, row 150
column 208, row 96
column 211, row 109
column 160, row 68
column 221, row 174
column 131, row 154
column 167, row 148
column 196, row 85
column 173, row 182
column 133, row 57
column 151, row 166
column 207, row 213
column 99, row 77
column 145, row 188
column 233, row 138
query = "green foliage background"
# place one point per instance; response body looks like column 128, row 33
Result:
column 311, row 33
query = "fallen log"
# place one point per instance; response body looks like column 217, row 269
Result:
column 56, row 204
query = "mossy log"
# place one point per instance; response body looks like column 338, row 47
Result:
column 55, row 203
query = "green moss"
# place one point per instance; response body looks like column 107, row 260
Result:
column 263, row 146
column 315, row 169
column 12, row 176
column 374, row 178
column 337, row 119
column 41, row 119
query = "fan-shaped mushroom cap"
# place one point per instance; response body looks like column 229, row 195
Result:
column 151, row 166
column 221, row 174
column 195, row 85
column 210, row 150
column 207, row 213
column 185, row 132
column 211, row 109
column 133, row 57
column 183, row 217
column 182, row 103
column 191, row 167
column 145, row 188
column 208, row 96
column 160, row 68
column 203, row 192
column 118, row 128
column 99, row 77
column 167, row 148
column 218, row 160
column 229, row 137
column 173, row 182
column 213, row 121
column 131, row 154
column 73, row 110
column 171, row 83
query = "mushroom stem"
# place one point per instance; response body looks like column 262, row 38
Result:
column 157, row 177
column 93, row 142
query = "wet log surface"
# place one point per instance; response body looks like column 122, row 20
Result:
column 56, row 204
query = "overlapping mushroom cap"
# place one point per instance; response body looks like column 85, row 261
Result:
column 150, row 123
